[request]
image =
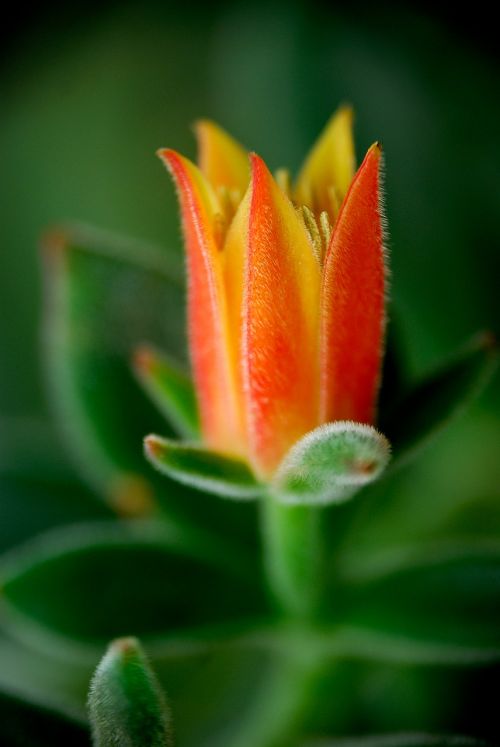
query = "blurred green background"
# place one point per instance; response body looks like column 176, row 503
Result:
column 88, row 96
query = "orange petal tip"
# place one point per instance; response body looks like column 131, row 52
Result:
column 169, row 157
column 257, row 161
column 259, row 171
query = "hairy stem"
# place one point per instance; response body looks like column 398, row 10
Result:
column 293, row 556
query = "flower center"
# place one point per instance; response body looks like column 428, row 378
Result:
column 318, row 225
column 318, row 229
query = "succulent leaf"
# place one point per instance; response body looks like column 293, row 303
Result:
column 126, row 704
column 170, row 389
column 330, row 464
column 89, row 583
column 439, row 398
column 202, row 469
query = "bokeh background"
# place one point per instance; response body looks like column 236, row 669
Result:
column 89, row 94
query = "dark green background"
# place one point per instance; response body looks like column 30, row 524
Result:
column 89, row 94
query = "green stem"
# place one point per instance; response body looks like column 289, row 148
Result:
column 293, row 556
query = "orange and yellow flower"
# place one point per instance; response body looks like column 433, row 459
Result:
column 286, row 290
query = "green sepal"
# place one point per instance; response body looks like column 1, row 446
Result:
column 330, row 464
column 202, row 469
column 126, row 704
column 439, row 398
column 170, row 389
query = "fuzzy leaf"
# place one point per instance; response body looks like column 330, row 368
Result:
column 170, row 389
column 24, row 723
column 94, row 582
column 104, row 297
column 202, row 469
column 126, row 704
column 440, row 397
column 330, row 464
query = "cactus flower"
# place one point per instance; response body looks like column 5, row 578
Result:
column 286, row 290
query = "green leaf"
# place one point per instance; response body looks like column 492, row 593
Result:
column 94, row 582
column 24, row 723
column 170, row 389
column 202, row 469
column 49, row 679
column 30, row 448
column 330, row 464
column 105, row 297
column 35, row 482
column 243, row 693
column 260, row 690
column 439, row 398
column 394, row 377
column 126, row 703
column 360, row 641
column 449, row 597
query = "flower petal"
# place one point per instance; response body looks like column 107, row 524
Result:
column 280, row 324
column 353, row 302
column 329, row 168
column 222, row 160
column 209, row 343
column 233, row 259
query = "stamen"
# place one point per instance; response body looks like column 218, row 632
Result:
column 325, row 227
column 313, row 231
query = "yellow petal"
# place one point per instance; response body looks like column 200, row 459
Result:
column 328, row 170
column 233, row 259
column 222, row 160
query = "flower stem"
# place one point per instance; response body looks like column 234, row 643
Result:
column 293, row 556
